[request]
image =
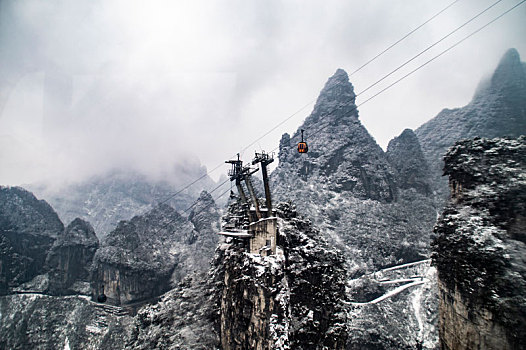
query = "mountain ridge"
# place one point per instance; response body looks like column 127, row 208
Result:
column 497, row 109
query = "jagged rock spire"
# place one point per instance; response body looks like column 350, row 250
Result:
column 510, row 70
column 28, row 229
column 405, row 154
column 71, row 256
column 341, row 151
column 335, row 102
column 204, row 213
column 337, row 91
column 508, row 79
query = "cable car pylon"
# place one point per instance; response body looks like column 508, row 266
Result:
column 259, row 234
column 236, row 174
column 265, row 159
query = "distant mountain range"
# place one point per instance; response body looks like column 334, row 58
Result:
column 106, row 199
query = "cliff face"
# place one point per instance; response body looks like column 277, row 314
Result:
column 145, row 256
column 204, row 215
column 254, row 302
column 28, row 229
column 70, row 258
column 137, row 259
column 374, row 206
column 292, row 300
column 480, row 246
column 186, row 317
column 405, row 155
column 316, row 278
column 107, row 199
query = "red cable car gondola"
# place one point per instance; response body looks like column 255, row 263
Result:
column 302, row 146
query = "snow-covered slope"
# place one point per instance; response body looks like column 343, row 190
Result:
column 394, row 308
column 480, row 246
column 351, row 189
column 36, row 321
column 497, row 109
column 106, row 199
column 142, row 257
column 377, row 207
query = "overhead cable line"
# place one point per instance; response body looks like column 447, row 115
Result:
column 242, row 150
column 378, row 93
column 189, row 185
column 361, row 92
column 183, row 189
column 431, row 46
column 212, row 191
column 423, row 64
column 277, row 125
column 403, row 38
column 310, row 102
column 446, row 50
column 195, row 203
column 365, row 64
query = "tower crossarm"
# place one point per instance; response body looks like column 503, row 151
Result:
column 265, row 159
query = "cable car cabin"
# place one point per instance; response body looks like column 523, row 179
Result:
column 302, row 146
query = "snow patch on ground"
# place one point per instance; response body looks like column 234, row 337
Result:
column 416, row 301
column 94, row 329
column 406, row 293
column 66, row 344
column 392, row 292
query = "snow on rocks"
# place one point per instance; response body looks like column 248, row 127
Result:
column 480, row 245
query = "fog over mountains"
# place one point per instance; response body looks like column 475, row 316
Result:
column 497, row 109
column 90, row 86
column 355, row 225
column 106, row 199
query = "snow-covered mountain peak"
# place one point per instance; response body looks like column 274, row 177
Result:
column 79, row 232
column 509, row 78
column 204, row 214
column 205, row 198
column 408, row 135
column 338, row 88
column 342, row 155
column 336, row 96
column 405, row 155
column 498, row 109
column 509, row 67
column 407, row 140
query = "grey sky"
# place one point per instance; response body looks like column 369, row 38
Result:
column 86, row 86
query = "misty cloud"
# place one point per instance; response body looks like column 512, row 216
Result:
column 87, row 86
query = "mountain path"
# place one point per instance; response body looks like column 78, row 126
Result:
column 378, row 276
